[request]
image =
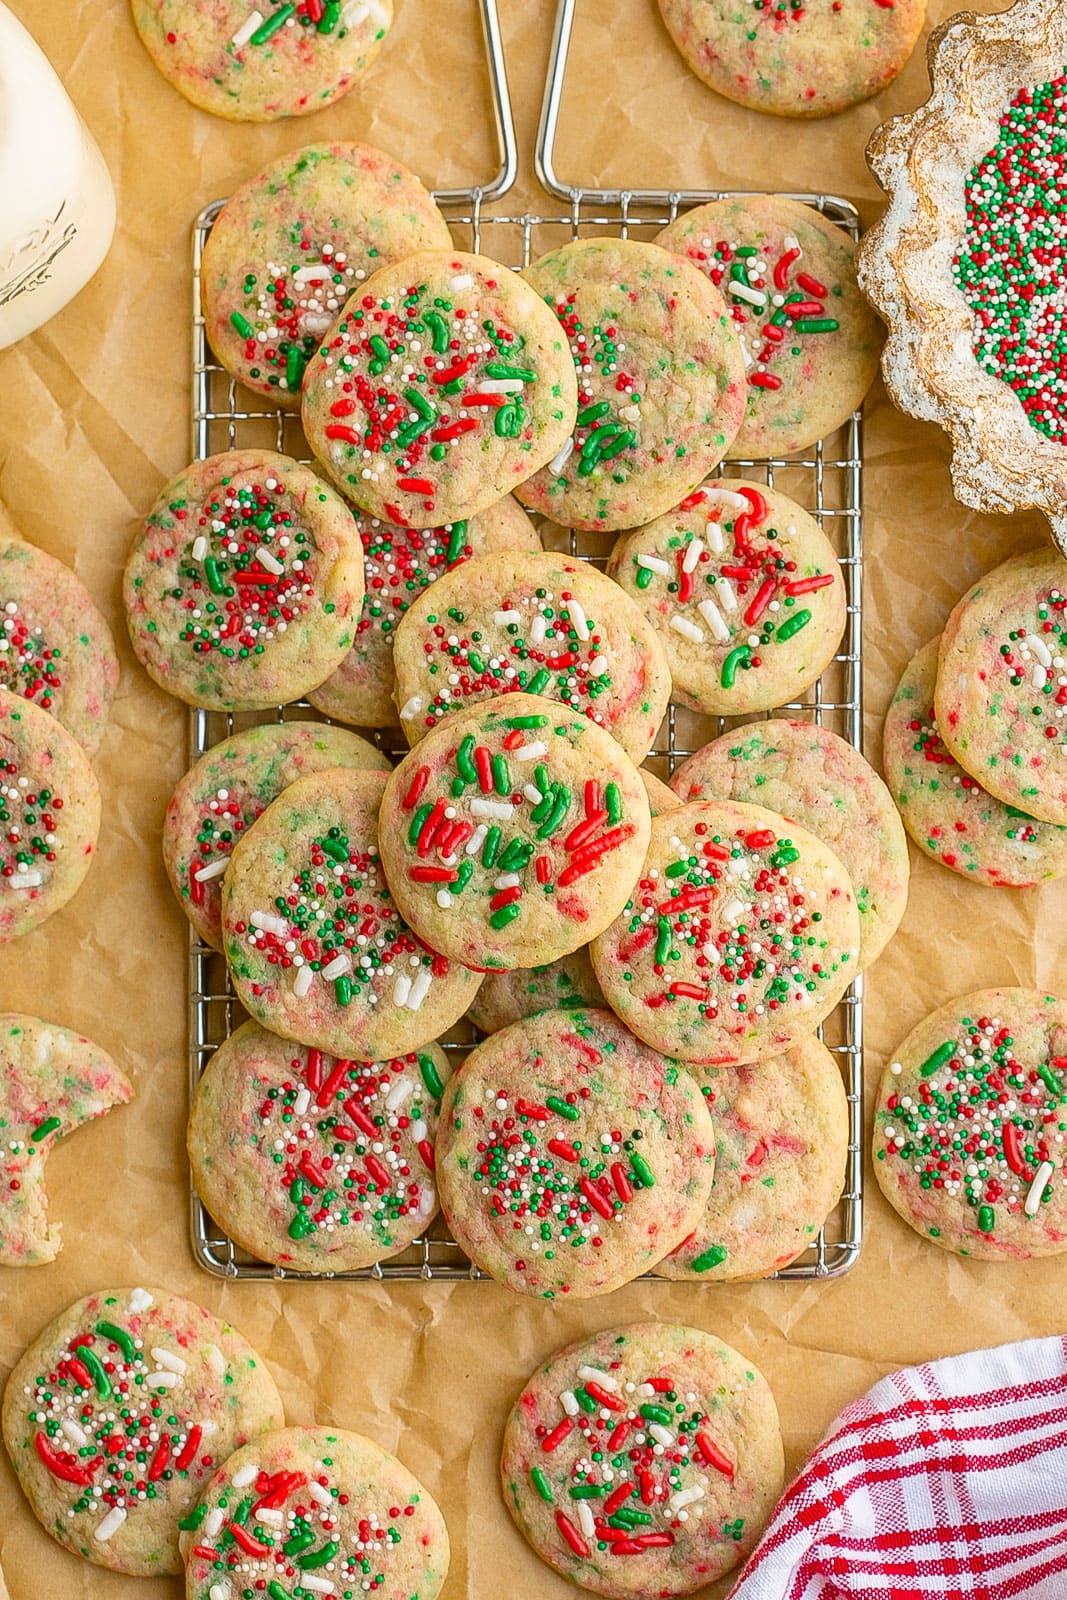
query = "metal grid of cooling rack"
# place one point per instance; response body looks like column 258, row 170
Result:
column 826, row 480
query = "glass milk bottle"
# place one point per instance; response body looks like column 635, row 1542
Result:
column 57, row 206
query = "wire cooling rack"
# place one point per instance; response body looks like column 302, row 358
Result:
column 826, row 480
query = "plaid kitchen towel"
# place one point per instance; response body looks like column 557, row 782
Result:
column 944, row 1482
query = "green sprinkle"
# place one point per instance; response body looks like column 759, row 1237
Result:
column 506, row 914
column 785, row 856
column 516, row 856
column 643, row 1170
column 242, row 324
column 588, row 1405
column 653, row 1413
column 732, row 662
column 615, row 447
column 586, row 1491
column 816, row 325
column 119, row 1336
column 95, row 1368
column 438, row 329
column 541, row 1484
column 986, row 1219
column 613, row 803
column 379, row 347
column 539, row 682
column 466, row 869
column 457, row 543
column 464, row 760
column 491, row 847
column 507, row 424
column 593, row 413
column 503, row 369
column 417, row 821
column 318, row 1558
column 295, row 362
column 501, row 774
column 418, row 402
column 709, row 1258
column 342, row 990
column 43, row 1129
column 663, row 940
column 214, row 576
column 644, row 577
column 792, row 625
column 334, row 849
column 192, row 1520
column 941, row 1056
column 431, row 1078
column 266, row 30
column 526, row 722
column 560, row 807
column 562, row 1108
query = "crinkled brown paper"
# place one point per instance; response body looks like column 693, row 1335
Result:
column 93, row 418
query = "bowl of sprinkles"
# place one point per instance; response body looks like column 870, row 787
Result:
column 967, row 262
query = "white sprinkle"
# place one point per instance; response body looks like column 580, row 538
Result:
column 213, row 1522
column 1037, row 1188
column 569, row 1403
column 336, row 968
column 1038, row 676
column 577, row 616
column 24, row 880
column 411, row 708
column 267, row 922
column 476, row 840
column 302, row 982
column 273, row 1519
column 443, row 898
column 462, row 280
column 71, row 1431
column 302, row 1101
column 687, row 629
column 1037, row 647
column 248, row 27
column 654, row 564
column 530, row 752
column 219, row 1591
column 733, row 911
column 533, row 794
column 312, row 1581
column 110, row 1525
column 200, row 547
column 507, row 880
column 538, row 629
column 662, row 1436
column 402, row 1090
column 140, row 1300
column 269, row 562
column 401, row 989
column 503, row 618
column 501, row 809
column 354, row 13
column 560, row 459
column 716, row 542
column 725, row 590
column 630, row 413
column 791, row 242
column 420, row 988
column 714, row 619
column 165, row 1358
column 687, row 1497
column 744, row 291
column 726, row 497
column 605, row 1379
column 245, row 1475
column 213, row 869
column 320, row 1494
column 162, row 1379
column 316, row 269
column 585, row 1518
column 500, row 386
column 692, row 555
column 597, row 667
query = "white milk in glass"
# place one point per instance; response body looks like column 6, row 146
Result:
column 57, row 205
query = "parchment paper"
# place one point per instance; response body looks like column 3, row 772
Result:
column 93, row 417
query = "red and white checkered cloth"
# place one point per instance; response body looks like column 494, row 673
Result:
column 944, row 1482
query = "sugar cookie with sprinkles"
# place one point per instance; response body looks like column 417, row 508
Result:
column 259, row 62
column 439, row 389
column 513, row 833
column 571, row 1158
column 970, row 1126
column 315, row 1511
column 660, row 382
column 55, row 647
column 643, row 1461
column 49, row 815
column 809, row 339
column 744, row 591
column 549, row 625
column 1010, row 265
column 52, row 1082
column 117, row 1415
column 949, row 815
column 781, row 1143
column 231, row 785
column 1001, row 695
column 312, row 1163
column 244, row 586
column 816, row 778
column 290, row 247
column 506, row 997
column 399, row 563
column 795, row 60
column 740, row 935
column 317, row 948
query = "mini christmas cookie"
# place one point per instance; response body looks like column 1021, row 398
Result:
column 117, row 1415
column 315, row 944
column 643, row 1461
column 229, row 787
column 256, row 63
column 809, row 339
column 293, row 243
column 660, row 382
column 550, row 625
column 781, row 1142
column 506, row 997
column 741, row 934
column 399, row 563
column 310, row 1507
column 744, row 590
column 1001, row 696
column 570, row 1158
column 49, row 815
column 51, row 1082
column 243, row 588
column 947, row 812
column 513, row 833
column 813, row 776
column 315, row 1164
column 440, row 388
column 55, row 647
column 969, row 1128
column 795, row 60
